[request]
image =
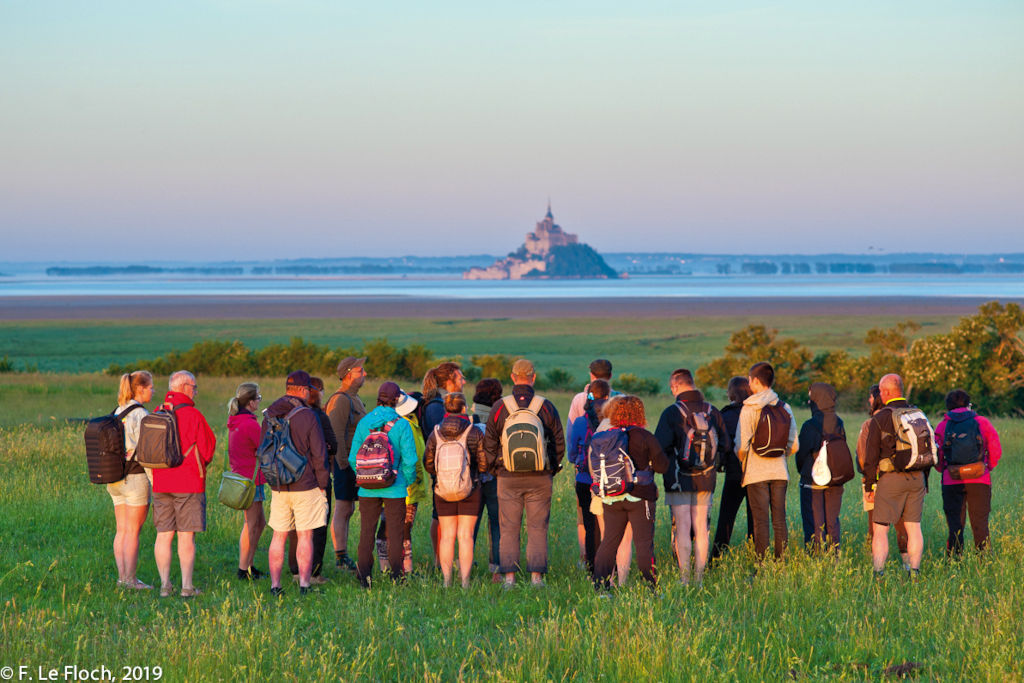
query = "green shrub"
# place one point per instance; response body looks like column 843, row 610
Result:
column 629, row 383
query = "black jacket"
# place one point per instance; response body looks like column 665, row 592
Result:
column 671, row 434
column 646, row 454
column 729, row 463
column 451, row 429
column 553, row 434
column 810, row 443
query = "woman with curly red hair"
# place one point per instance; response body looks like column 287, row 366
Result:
column 635, row 504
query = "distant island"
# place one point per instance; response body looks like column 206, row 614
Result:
column 548, row 252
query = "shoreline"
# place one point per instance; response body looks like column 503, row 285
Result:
column 234, row 307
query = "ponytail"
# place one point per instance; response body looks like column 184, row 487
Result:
column 246, row 392
column 124, row 389
column 130, row 385
column 430, row 385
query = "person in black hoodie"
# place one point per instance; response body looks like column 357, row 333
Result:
column 819, row 505
column 733, row 493
column 637, row 506
column 689, row 492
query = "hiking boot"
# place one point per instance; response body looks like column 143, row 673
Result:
column 250, row 574
column 346, row 562
column 276, row 591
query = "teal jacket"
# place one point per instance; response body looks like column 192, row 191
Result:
column 401, row 440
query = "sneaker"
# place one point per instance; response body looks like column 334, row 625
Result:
column 166, row 590
column 190, row 592
column 256, row 573
column 137, row 585
column 246, row 575
column 346, row 562
column 276, row 591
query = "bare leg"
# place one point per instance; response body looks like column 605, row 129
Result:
column 304, row 555
column 915, row 545
column 581, row 534
column 275, row 557
column 466, row 523
column 343, row 510
column 186, row 557
column 879, row 546
column 162, row 555
column 136, row 517
column 121, row 516
column 447, row 530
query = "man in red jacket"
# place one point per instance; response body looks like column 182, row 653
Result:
column 179, row 493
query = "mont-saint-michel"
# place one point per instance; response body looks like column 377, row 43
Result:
column 548, row 252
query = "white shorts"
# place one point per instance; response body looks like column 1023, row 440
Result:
column 133, row 491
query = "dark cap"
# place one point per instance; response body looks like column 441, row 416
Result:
column 388, row 393
column 299, row 378
column 349, row 363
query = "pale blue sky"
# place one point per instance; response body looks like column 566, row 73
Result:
column 235, row 129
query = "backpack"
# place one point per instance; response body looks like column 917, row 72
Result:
column 451, row 462
column 700, row 452
column 522, row 439
column 611, row 469
column 105, row 453
column 159, row 445
column 915, row 440
column 771, row 431
column 833, row 466
column 963, row 447
column 279, row 460
column 375, row 459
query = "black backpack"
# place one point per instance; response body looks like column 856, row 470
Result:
column 105, row 453
column 159, row 444
column 771, row 431
column 962, row 443
column 279, row 460
column 700, row 453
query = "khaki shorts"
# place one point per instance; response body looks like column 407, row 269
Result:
column 298, row 510
column 179, row 511
column 689, row 498
column 133, row 490
column 899, row 494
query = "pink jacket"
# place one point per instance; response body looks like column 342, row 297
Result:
column 243, row 440
column 994, row 450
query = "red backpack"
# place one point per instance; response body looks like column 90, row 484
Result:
column 375, row 459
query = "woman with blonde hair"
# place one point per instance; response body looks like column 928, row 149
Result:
column 243, row 440
column 131, row 494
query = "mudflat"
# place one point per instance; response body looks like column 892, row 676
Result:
column 306, row 307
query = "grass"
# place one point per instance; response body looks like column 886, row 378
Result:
column 805, row 618
column 652, row 348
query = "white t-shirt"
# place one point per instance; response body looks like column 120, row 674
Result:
column 132, row 423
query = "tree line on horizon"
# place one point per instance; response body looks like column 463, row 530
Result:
column 983, row 354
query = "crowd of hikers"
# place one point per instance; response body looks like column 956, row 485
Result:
column 497, row 453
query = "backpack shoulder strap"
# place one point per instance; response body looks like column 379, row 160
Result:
column 391, row 423
column 510, row 404
column 293, row 412
column 536, row 404
column 124, row 413
column 684, row 410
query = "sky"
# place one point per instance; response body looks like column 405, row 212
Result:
column 225, row 130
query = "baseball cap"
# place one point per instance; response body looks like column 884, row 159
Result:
column 299, row 378
column 406, row 404
column 349, row 363
column 388, row 392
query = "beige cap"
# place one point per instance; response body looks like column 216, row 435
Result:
column 523, row 368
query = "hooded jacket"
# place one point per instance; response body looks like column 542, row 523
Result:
column 450, row 429
column 812, row 433
column 243, row 440
column 993, row 448
column 403, row 443
column 197, row 443
column 577, row 442
column 308, row 439
column 729, row 463
column 755, row 468
column 671, row 434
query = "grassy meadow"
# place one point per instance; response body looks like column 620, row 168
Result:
column 804, row 618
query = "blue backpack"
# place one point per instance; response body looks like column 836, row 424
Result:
column 611, row 469
column 280, row 462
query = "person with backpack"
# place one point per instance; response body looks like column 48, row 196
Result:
column 437, row 383
column 820, row 503
column 383, row 456
column 969, row 449
column 243, row 440
column 345, row 410
column 130, row 495
column 577, row 441
column 692, row 434
column 300, row 505
column 874, row 405
column 622, row 462
column 179, row 493
column 765, row 435
column 455, row 458
column 525, row 445
column 486, row 394
column 898, row 449
column 733, row 493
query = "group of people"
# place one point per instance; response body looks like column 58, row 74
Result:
column 498, row 453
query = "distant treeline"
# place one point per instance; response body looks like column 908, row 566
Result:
column 356, row 269
column 80, row 271
column 837, row 268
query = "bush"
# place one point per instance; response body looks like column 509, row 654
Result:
column 629, row 383
column 6, row 365
column 559, row 380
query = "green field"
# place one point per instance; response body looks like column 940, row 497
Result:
column 808, row 618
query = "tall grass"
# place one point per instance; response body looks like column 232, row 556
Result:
column 805, row 617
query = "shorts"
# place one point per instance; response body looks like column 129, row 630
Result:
column 132, row 491
column 179, row 511
column 689, row 498
column 298, row 510
column 345, row 484
column 899, row 494
column 261, row 494
column 469, row 506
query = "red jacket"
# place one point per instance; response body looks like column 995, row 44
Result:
column 243, row 440
column 193, row 431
